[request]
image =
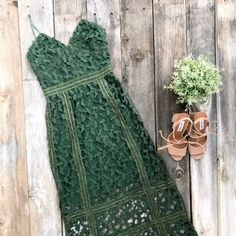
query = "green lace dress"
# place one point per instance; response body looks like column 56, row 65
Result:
column 109, row 177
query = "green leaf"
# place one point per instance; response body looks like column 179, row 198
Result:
column 194, row 79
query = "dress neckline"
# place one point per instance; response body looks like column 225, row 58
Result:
column 64, row 45
column 59, row 41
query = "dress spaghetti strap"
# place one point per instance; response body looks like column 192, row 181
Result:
column 33, row 27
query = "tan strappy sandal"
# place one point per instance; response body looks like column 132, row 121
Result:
column 176, row 141
column 197, row 144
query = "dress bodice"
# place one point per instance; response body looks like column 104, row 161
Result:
column 54, row 62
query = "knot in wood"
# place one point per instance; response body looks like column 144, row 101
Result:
column 14, row 3
column 125, row 38
column 137, row 54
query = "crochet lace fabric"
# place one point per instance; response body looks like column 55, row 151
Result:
column 109, row 177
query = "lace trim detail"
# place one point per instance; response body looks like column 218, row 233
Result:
column 136, row 231
column 79, row 162
column 114, row 202
column 78, row 81
column 51, row 146
column 135, row 153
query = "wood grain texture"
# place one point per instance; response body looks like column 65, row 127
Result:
column 14, row 199
column 107, row 14
column 226, row 59
column 201, row 40
column 170, row 44
column 138, row 58
column 44, row 208
column 67, row 15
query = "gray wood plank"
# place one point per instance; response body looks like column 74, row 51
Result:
column 138, row 58
column 201, row 40
column 44, row 207
column 226, row 59
column 67, row 15
column 107, row 14
column 170, row 44
column 14, row 198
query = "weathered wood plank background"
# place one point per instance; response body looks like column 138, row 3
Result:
column 145, row 37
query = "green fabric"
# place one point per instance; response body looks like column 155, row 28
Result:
column 109, row 177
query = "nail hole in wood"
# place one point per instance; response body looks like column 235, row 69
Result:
column 179, row 174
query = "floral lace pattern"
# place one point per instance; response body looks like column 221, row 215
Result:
column 110, row 179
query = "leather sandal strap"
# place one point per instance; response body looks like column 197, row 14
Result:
column 171, row 143
column 192, row 143
column 188, row 127
column 197, row 131
column 201, row 118
column 198, row 134
column 175, row 141
column 182, row 119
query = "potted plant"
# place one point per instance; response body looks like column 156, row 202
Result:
column 194, row 80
